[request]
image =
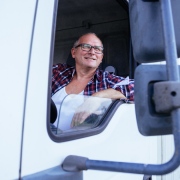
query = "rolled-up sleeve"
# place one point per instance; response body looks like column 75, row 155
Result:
column 124, row 85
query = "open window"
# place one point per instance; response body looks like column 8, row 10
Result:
column 109, row 20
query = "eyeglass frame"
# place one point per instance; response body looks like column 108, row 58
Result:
column 90, row 48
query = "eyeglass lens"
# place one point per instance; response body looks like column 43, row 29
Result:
column 87, row 47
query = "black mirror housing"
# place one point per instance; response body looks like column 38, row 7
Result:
column 147, row 29
column 150, row 122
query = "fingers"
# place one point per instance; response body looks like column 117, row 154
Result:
column 73, row 120
column 83, row 111
column 79, row 118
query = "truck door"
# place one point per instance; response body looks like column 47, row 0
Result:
column 118, row 141
column 16, row 19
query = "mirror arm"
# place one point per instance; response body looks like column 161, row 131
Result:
column 77, row 163
column 144, row 168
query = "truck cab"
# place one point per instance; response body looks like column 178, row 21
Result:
column 37, row 34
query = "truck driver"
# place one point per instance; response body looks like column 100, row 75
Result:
column 85, row 78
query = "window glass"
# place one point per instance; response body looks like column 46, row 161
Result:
column 80, row 112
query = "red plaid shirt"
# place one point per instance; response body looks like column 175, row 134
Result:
column 62, row 75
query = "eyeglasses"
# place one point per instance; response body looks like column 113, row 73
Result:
column 88, row 47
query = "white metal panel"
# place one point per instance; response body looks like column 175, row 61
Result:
column 16, row 19
column 37, row 92
column 167, row 153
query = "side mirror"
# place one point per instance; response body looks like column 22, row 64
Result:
column 146, row 27
column 150, row 122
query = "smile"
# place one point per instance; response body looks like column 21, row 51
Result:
column 90, row 58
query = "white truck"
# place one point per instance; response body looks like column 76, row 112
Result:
column 34, row 35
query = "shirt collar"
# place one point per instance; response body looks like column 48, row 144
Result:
column 72, row 70
column 97, row 74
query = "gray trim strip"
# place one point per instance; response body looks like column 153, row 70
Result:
column 26, row 88
column 55, row 173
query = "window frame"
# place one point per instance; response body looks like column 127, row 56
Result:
column 75, row 134
column 88, row 132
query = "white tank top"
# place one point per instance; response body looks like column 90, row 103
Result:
column 58, row 98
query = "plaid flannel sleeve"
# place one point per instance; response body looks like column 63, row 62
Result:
column 56, row 79
column 124, row 85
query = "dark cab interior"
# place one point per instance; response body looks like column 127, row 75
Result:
column 108, row 19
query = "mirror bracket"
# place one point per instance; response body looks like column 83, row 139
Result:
column 166, row 96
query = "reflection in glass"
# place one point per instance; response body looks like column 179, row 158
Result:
column 80, row 112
